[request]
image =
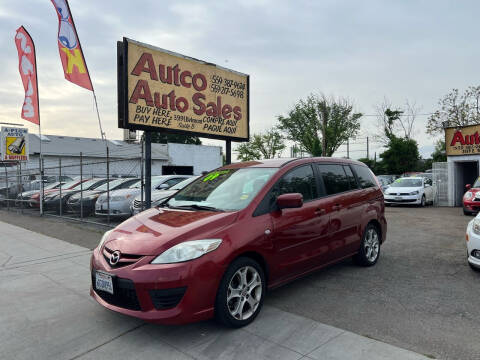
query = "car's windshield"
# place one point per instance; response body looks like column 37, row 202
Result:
column 405, row 182
column 52, row 186
column 69, row 184
column 183, row 183
column 87, row 184
column 476, row 184
column 111, row 185
column 229, row 189
column 156, row 180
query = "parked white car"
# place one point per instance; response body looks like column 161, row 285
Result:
column 410, row 190
column 120, row 200
column 473, row 243
column 159, row 195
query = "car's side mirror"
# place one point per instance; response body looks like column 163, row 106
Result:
column 468, row 186
column 163, row 186
column 287, row 201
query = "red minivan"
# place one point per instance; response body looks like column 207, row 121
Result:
column 216, row 246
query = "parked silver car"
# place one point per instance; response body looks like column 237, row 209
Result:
column 120, row 200
column 159, row 195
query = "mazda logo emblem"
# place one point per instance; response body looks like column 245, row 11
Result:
column 114, row 257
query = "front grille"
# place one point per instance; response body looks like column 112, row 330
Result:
column 167, row 298
column 400, row 201
column 125, row 259
column 404, row 194
column 137, row 204
column 124, row 294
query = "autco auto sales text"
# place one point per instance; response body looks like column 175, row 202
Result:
column 218, row 116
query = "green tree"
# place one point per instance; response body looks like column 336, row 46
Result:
column 304, row 123
column 262, row 146
column 401, row 156
column 456, row 110
column 439, row 155
column 164, row 138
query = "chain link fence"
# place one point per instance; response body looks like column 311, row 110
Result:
column 70, row 187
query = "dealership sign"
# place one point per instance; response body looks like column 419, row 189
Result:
column 163, row 91
column 14, row 144
column 462, row 140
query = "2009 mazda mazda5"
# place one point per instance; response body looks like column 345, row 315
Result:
column 216, row 246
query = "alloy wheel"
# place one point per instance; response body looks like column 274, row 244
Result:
column 244, row 293
column 371, row 245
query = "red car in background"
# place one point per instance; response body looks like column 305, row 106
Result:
column 35, row 199
column 214, row 247
column 471, row 199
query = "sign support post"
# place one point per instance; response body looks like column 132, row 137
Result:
column 148, row 169
column 228, row 150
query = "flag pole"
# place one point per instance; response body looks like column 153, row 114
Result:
column 40, row 169
column 89, row 77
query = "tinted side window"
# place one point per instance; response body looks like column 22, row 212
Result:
column 299, row 180
column 351, row 177
column 334, row 178
column 364, row 176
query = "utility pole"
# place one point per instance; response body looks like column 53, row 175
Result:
column 324, row 137
column 348, row 148
column 368, row 151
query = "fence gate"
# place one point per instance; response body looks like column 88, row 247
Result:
column 440, row 182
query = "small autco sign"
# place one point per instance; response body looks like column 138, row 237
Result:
column 159, row 90
column 14, row 144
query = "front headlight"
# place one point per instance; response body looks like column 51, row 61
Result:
column 415, row 192
column 104, row 237
column 187, row 250
column 468, row 195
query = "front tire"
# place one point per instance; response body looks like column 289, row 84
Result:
column 370, row 247
column 241, row 293
column 423, row 201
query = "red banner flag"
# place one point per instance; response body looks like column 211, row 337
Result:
column 27, row 66
column 74, row 66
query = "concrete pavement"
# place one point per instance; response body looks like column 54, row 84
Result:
column 46, row 313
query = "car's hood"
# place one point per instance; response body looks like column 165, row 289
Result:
column 158, row 194
column 123, row 192
column 402, row 190
column 27, row 193
column 155, row 230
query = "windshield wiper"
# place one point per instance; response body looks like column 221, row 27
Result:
column 196, row 207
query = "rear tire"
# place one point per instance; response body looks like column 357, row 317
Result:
column 370, row 247
column 241, row 293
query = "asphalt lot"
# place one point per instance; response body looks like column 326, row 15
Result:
column 420, row 296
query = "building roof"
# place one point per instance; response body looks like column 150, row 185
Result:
column 91, row 147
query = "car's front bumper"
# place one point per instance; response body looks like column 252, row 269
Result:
column 471, row 206
column 198, row 278
column 85, row 206
column 473, row 245
column 116, row 208
column 403, row 199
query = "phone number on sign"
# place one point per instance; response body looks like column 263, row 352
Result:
column 227, row 91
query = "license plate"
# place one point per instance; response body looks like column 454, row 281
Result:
column 104, row 282
column 398, row 198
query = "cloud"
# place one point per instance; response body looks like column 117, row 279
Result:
column 361, row 50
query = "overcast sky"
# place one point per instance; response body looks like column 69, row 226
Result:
column 363, row 50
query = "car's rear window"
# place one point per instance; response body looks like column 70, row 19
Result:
column 365, row 177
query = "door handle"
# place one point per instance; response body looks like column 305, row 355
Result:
column 320, row 212
column 336, row 207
